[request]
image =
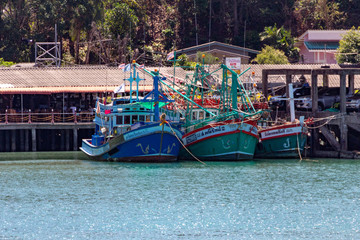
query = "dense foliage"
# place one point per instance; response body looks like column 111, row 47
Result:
column 109, row 31
column 270, row 55
column 349, row 49
column 5, row 63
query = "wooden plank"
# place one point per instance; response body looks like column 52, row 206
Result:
column 314, row 92
column 342, row 93
column 33, row 138
column 325, row 80
column 330, row 138
column 343, row 126
column 264, row 80
column 351, row 83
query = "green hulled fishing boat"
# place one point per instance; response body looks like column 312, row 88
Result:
column 286, row 140
column 282, row 141
column 218, row 131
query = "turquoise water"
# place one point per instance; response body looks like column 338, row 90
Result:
column 79, row 199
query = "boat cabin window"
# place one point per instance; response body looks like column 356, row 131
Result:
column 119, row 120
column 148, row 118
column 134, row 119
column 126, row 119
column 201, row 115
column 194, row 115
column 141, row 118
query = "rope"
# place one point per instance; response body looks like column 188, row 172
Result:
column 298, row 147
column 184, row 145
column 329, row 119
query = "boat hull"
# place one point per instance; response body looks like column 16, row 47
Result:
column 139, row 145
column 287, row 141
column 224, row 141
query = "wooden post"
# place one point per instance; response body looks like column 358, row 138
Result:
column 343, row 127
column 325, row 80
column 264, row 80
column 62, row 139
column 351, row 83
column 13, row 140
column 27, row 147
column 67, row 139
column 75, row 138
column 22, row 139
column 53, row 139
column 33, row 138
column 314, row 93
column 7, row 141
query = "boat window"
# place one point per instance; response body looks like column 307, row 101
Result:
column 201, row 115
column 194, row 116
column 141, row 118
column 126, row 119
column 119, row 120
column 207, row 115
column 134, row 119
column 148, row 118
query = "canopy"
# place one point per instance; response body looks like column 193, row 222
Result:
column 150, row 105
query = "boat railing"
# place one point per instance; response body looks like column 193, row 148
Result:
column 50, row 117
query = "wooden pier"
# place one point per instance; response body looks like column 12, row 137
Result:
column 330, row 135
column 41, row 132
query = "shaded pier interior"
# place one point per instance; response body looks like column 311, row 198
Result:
column 43, row 137
column 337, row 135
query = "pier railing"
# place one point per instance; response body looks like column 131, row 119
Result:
column 52, row 117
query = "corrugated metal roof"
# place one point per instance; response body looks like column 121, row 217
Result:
column 71, row 79
column 100, row 79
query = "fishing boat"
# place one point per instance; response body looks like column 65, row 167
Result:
column 220, row 132
column 283, row 140
column 132, row 130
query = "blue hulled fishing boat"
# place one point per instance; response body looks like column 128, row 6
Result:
column 132, row 130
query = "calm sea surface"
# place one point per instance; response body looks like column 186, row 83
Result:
column 79, row 199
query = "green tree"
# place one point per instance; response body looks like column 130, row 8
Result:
column 281, row 39
column 270, row 55
column 206, row 58
column 318, row 14
column 121, row 20
column 5, row 63
column 349, row 49
column 14, row 18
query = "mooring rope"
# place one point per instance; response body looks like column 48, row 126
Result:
column 298, row 146
column 329, row 119
column 185, row 146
